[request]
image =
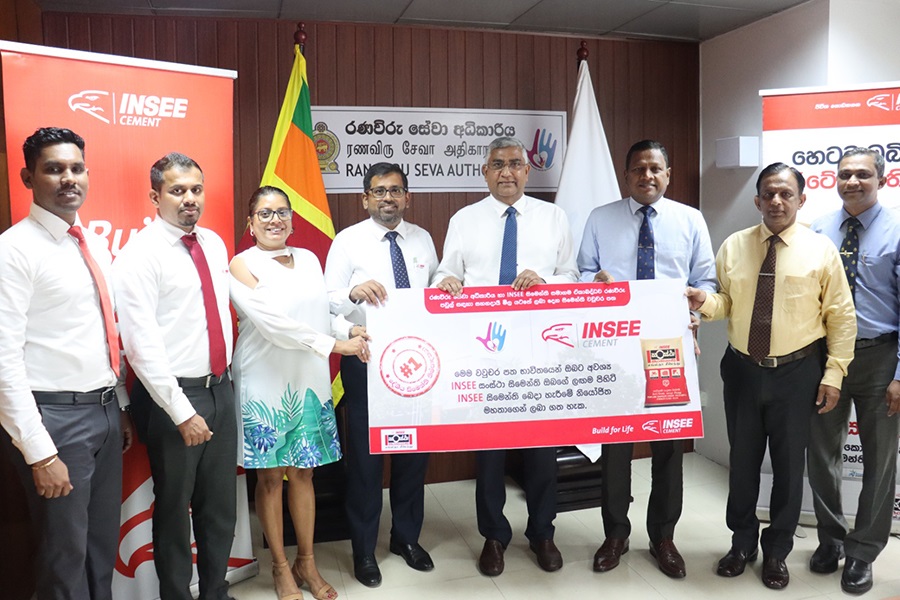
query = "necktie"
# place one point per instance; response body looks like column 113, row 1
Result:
column 646, row 253
column 850, row 252
column 508, row 249
column 217, row 361
column 109, row 321
column 760, row 336
column 401, row 275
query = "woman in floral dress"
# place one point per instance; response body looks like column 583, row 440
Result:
column 282, row 380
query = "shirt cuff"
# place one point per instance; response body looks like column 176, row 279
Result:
column 832, row 377
column 180, row 410
column 37, row 448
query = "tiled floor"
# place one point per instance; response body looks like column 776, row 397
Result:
column 451, row 536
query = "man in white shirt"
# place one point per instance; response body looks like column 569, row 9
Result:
column 365, row 262
column 510, row 239
column 58, row 374
column 177, row 333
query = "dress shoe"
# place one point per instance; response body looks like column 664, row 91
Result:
column 668, row 558
column 775, row 574
column 490, row 562
column 607, row 556
column 857, row 576
column 825, row 558
column 548, row 555
column 366, row 570
column 734, row 563
column 414, row 555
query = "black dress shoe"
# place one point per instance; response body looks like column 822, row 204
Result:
column 549, row 557
column 490, row 562
column 857, row 576
column 414, row 555
column 608, row 555
column 734, row 563
column 825, row 558
column 775, row 574
column 366, row 570
column 668, row 558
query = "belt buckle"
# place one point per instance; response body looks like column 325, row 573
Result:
column 107, row 396
column 769, row 362
column 209, row 379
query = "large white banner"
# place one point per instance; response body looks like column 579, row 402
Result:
column 441, row 149
column 810, row 128
column 550, row 366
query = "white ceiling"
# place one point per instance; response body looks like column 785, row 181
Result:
column 691, row 20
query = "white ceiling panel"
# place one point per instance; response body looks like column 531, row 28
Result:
column 689, row 22
column 477, row 11
column 582, row 17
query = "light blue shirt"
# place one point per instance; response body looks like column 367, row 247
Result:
column 680, row 238
column 878, row 269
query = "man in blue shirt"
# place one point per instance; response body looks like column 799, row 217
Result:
column 645, row 236
column 868, row 236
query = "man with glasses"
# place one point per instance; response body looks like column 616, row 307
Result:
column 365, row 262
column 510, row 239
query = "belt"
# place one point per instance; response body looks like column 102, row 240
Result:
column 771, row 362
column 876, row 341
column 207, row 381
column 102, row 396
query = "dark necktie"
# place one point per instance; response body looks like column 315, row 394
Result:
column 760, row 338
column 508, row 249
column 646, row 253
column 401, row 275
column 850, row 252
column 109, row 321
column 217, row 361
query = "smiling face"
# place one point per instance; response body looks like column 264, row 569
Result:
column 506, row 183
column 180, row 198
column 858, row 183
column 272, row 234
column 387, row 211
column 779, row 200
column 647, row 176
column 59, row 182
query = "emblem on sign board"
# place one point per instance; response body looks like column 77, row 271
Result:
column 327, row 148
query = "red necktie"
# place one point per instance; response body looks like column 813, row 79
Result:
column 217, row 361
column 109, row 321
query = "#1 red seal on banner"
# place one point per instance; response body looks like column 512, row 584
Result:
column 409, row 366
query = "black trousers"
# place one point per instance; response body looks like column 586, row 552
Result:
column 192, row 485
column 540, row 494
column 666, row 492
column 78, row 534
column 364, row 473
column 768, row 406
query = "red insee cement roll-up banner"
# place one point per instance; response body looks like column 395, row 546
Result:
column 130, row 113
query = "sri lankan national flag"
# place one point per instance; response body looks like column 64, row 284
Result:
column 293, row 166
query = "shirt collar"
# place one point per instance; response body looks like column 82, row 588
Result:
column 521, row 205
column 173, row 234
column 786, row 236
column 635, row 206
column 866, row 217
column 378, row 230
column 55, row 226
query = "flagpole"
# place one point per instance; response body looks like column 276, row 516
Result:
column 581, row 54
column 300, row 37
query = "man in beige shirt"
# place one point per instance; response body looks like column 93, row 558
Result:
column 791, row 333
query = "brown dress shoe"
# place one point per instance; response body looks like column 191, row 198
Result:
column 491, row 561
column 668, row 558
column 608, row 555
column 549, row 557
column 775, row 574
column 734, row 563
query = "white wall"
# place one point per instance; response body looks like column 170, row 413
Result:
column 863, row 45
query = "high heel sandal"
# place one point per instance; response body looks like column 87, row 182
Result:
column 325, row 592
column 283, row 566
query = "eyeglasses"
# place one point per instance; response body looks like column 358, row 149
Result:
column 396, row 192
column 513, row 165
column 267, row 214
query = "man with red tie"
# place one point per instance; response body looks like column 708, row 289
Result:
column 59, row 369
column 172, row 293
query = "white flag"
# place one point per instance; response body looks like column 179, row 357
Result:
column 588, row 178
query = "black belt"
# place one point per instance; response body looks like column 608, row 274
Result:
column 771, row 362
column 101, row 396
column 884, row 338
column 207, row 381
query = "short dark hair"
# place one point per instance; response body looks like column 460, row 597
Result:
column 861, row 151
column 775, row 169
column 643, row 146
column 380, row 170
column 265, row 191
column 169, row 161
column 48, row 136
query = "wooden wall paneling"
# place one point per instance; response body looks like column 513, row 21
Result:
column 164, row 39
column 122, row 36
column 144, row 38
column 56, row 30
column 207, row 43
column 439, row 68
column 526, row 79
column 345, row 72
column 364, row 66
column 505, row 67
column 557, row 73
column 475, row 59
column 491, row 74
column 456, row 69
column 420, row 71
column 80, row 32
column 271, row 56
column 383, row 77
column 401, row 38
column 541, row 72
column 101, row 36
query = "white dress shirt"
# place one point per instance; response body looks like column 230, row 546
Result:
column 52, row 335
column 361, row 253
column 475, row 239
column 161, row 311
